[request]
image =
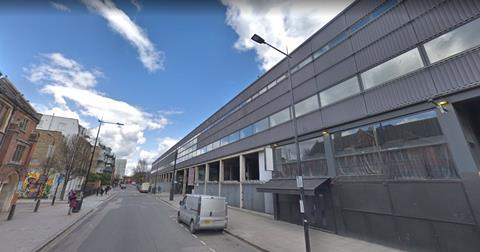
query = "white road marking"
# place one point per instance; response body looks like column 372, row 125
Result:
column 202, row 242
column 211, row 249
column 186, row 229
column 196, row 237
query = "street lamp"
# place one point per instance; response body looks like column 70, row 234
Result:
column 260, row 40
column 91, row 158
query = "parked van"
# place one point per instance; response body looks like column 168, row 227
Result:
column 203, row 212
column 145, row 187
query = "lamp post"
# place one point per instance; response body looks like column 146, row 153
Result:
column 172, row 188
column 260, row 40
column 100, row 122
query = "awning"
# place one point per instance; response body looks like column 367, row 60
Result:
column 289, row 186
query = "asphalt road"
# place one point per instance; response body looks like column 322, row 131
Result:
column 137, row 222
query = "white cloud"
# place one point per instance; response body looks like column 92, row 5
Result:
column 60, row 7
column 73, row 89
column 283, row 23
column 137, row 4
column 150, row 57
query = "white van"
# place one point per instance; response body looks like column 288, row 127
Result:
column 145, row 187
column 203, row 212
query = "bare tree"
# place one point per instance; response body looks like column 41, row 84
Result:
column 140, row 174
column 76, row 153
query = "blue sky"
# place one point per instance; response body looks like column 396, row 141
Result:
column 160, row 68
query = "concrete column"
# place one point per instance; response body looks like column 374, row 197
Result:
column 220, row 177
column 462, row 157
column 207, row 175
column 242, row 178
column 184, row 187
column 332, row 172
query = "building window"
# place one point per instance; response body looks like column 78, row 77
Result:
column 454, row 42
column 306, row 106
column 17, row 155
column 224, row 141
column 409, row 147
column 302, row 64
column 201, row 173
column 312, row 157
column 396, row 67
column 280, row 117
column 260, row 125
column 235, row 136
column 23, row 124
column 246, row 132
column 4, row 115
column 284, row 161
column 340, row 91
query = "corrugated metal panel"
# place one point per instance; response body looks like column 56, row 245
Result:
column 344, row 111
column 370, row 197
column 416, row 8
column 332, row 57
column 360, row 9
column 336, row 73
column 303, row 74
column 386, row 47
column 401, row 92
column 457, row 73
column 445, row 16
column 305, row 90
column 328, row 33
column 380, row 27
column 310, row 122
column 428, row 200
column 301, row 53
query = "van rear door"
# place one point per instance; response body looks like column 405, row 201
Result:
column 212, row 207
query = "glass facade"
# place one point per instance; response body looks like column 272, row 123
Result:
column 409, row 147
column 396, row 67
column 340, row 91
column 454, row 42
column 312, row 157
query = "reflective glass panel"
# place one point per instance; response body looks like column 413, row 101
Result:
column 340, row 91
column 306, row 106
column 246, row 132
column 280, row 117
column 260, row 125
column 392, row 69
column 456, row 41
column 234, row 137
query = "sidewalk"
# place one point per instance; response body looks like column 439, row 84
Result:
column 28, row 231
column 264, row 232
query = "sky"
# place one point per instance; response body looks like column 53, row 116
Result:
column 160, row 68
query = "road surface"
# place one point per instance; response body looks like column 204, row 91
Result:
column 132, row 221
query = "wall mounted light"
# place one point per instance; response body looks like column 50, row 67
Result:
column 441, row 105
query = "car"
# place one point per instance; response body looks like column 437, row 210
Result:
column 201, row 212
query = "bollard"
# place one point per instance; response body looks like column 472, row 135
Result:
column 12, row 208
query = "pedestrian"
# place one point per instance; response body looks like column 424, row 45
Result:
column 72, row 201
column 98, row 190
column 107, row 189
column 101, row 191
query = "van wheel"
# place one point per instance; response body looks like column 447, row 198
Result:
column 192, row 227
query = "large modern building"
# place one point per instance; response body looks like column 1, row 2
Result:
column 386, row 96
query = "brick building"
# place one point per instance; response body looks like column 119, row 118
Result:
column 17, row 139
